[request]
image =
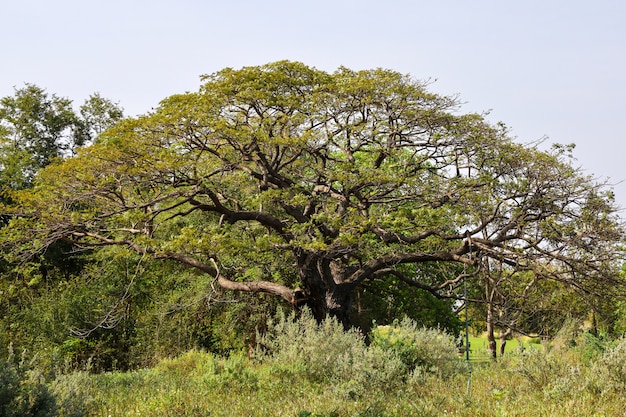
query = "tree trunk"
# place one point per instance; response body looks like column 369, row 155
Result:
column 503, row 338
column 489, row 295
column 594, row 323
column 491, row 339
column 338, row 302
column 335, row 302
column 324, row 292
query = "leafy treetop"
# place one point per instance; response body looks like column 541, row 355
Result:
column 304, row 184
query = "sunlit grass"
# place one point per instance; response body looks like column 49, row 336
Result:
column 192, row 386
column 525, row 382
column 479, row 351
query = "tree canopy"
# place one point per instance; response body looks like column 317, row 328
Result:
column 292, row 181
column 37, row 127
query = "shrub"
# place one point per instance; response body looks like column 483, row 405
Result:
column 420, row 349
column 192, row 362
column 591, row 347
column 608, row 373
column 23, row 392
column 541, row 368
column 236, row 373
column 71, row 392
column 327, row 353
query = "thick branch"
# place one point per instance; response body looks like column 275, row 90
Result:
column 240, row 215
column 212, row 269
column 371, row 267
column 255, row 286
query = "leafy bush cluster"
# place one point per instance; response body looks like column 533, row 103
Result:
column 326, row 352
column 421, row 350
column 26, row 391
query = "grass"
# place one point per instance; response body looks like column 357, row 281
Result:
column 479, row 347
column 199, row 384
column 322, row 371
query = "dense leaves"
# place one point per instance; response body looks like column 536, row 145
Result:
column 291, row 181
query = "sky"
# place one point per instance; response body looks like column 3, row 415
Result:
column 550, row 69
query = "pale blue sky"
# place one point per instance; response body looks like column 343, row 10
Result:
column 545, row 68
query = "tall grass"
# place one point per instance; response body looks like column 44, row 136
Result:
column 305, row 369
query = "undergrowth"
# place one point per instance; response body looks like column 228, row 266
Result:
column 302, row 368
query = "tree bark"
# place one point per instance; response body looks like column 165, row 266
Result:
column 490, row 326
column 325, row 291
column 503, row 338
column 490, row 333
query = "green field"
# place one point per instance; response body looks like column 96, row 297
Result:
column 479, row 347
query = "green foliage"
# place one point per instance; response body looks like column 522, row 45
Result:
column 23, row 391
column 384, row 301
column 541, row 369
column 39, row 300
column 72, row 394
column 120, row 312
column 609, row 371
column 619, row 311
column 575, row 363
column 422, row 350
column 592, row 346
column 37, row 128
column 98, row 114
column 37, row 123
column 326, row 352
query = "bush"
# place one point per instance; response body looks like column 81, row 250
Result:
column 609, row 371
column 541, row 369
column 71, row 392
column 23, row 392
column 421, row 350
column 591, row 347
column 326, row 353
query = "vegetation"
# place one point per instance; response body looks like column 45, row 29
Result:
column 580, row 376
column 157, row 255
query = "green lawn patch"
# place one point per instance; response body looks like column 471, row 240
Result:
column 479, row 347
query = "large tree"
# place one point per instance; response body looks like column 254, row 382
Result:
column 288, row 180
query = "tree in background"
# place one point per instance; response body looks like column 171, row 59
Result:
column 310, row 186
column 97, row 114
column 37, row 128
column 43, row 126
